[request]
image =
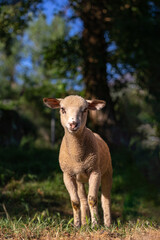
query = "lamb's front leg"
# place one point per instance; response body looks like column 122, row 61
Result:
column 94, row 182
column 83, row 202
column 71, row 186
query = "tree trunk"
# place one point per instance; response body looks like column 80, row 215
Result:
column 94, row 69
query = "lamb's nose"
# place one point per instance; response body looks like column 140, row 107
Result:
column 73, row 125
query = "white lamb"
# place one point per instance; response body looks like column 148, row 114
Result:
column 84, row 157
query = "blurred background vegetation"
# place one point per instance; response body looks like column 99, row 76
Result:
column 108, row 50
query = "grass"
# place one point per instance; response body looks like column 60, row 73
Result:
column 34, row 203
column 42, row 226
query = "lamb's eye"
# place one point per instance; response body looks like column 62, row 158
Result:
column 63, row 110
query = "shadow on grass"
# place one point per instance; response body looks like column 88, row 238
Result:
column 134, row 196
column 31, row 182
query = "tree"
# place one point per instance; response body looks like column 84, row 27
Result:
column 133, row 27
column 94, row 47
column 14, row 17
column 36, row 37
column 126, row 24
column 89, row 54
column 135, row 31
column 23, row 74
column 8, row 69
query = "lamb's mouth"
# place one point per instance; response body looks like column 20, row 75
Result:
column 73, row 129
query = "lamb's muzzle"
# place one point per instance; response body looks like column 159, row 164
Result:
column 84, row 157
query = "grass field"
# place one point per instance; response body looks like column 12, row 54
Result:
column 34, row 203
column 45, row 227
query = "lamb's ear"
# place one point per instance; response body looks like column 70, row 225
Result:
column 96, row 104
column 52, row 102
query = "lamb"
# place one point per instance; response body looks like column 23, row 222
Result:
column 84, row 157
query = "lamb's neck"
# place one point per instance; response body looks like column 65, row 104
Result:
column 75, row 143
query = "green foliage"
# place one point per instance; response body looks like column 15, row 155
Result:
column 8, row 72
column 23, row 87
column 14, row 17
column 139, row 122
column 13, row 127
column 65, row 55
column 39, row 35
column 134, row 31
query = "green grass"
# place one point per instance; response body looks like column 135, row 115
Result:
column 34, row 201
column 43, row 226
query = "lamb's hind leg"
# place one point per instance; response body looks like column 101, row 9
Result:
column 83, row 202
column 94, row 182
column 106, row 184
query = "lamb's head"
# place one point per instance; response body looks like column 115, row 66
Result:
column 73, row 110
